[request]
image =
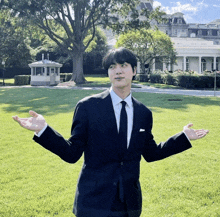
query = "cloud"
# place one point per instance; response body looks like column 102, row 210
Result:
column 179, row 7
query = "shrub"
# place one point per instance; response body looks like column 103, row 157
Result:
column 189, row 79
column 169, row 79
column 156, row 78
column 142, row 77
column 22, row 79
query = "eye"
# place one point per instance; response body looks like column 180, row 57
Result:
column 112, row 66
column 124, row 65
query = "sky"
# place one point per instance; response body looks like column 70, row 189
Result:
column 195, row 11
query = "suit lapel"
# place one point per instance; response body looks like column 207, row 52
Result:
column 136, row 123
column 108, row 112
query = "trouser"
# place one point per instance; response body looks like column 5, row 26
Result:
column 119, row 209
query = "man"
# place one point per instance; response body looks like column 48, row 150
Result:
column 113, row 130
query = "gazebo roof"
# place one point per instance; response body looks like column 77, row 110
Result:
column 45, row 63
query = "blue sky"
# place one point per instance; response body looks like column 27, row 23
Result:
column 195, row 11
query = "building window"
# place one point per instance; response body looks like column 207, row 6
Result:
column 203, row 65
column 204, row 32
column 187, row 64
column 215, row 32
column 216, row 67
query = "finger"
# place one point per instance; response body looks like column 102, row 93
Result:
column 16, row 118
column 33, row 113
column 189, row 125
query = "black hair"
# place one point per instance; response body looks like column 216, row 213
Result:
column 120, row 55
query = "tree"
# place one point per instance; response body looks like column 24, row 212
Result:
column 94, row 55
column 76, row 18
column 13, row 49
column 147, row 45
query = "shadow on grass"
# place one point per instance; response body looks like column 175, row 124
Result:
column 41, row 100
column 54, row 101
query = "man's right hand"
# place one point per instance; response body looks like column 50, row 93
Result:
column 35, row 123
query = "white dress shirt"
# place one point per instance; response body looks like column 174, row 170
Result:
column 116, row 101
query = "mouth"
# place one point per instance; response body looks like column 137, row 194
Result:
column 119, row 78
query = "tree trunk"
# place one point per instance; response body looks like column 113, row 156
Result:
column 78, row 76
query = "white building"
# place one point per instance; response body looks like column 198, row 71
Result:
column 45, row 72
column 196, row 54
column 197, row 45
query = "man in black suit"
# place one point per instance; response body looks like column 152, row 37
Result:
column 113, row 130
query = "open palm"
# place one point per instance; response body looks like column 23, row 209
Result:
column 194, row 134
column 35, row 123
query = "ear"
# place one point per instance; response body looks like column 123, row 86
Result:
column 135, row 71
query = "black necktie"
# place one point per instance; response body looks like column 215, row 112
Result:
column 123, row 126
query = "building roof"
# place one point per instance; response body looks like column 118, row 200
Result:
column 45, row 63
column 217, row 22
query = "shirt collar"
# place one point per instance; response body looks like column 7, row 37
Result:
column 116, row 99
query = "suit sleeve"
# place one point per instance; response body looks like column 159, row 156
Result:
column 72, row 149
column 174, row 145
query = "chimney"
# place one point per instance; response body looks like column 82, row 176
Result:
column 42, row 56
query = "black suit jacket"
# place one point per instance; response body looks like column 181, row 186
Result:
column 106, row 168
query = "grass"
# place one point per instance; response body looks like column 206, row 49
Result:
column 35, row 182
column 7, row 81
column 103, row 81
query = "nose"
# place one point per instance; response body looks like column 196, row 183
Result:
column 118, row 69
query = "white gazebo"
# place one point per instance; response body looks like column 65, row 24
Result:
column 45, row 72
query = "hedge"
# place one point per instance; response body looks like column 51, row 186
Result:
column 22, row 79
column 142, row 77
column 190, row 81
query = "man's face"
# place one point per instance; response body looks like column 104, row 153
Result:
column 121, row 75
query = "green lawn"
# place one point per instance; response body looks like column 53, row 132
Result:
column 35, row 182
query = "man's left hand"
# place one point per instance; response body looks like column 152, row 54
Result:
column 194, row 134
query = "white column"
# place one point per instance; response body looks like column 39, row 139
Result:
column 153, row 65
column 138, row 67
column 184, row 63
column 200, row 63
column 214, row 66
column 164, row 67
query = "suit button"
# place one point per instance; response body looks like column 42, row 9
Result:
column 122, row 163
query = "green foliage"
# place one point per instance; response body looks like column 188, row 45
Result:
column 147, row 45
column 142, row 77
column 185, row 79
column 68, row 23
column 35, row 182
column 13, row 49
column 22, row 80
